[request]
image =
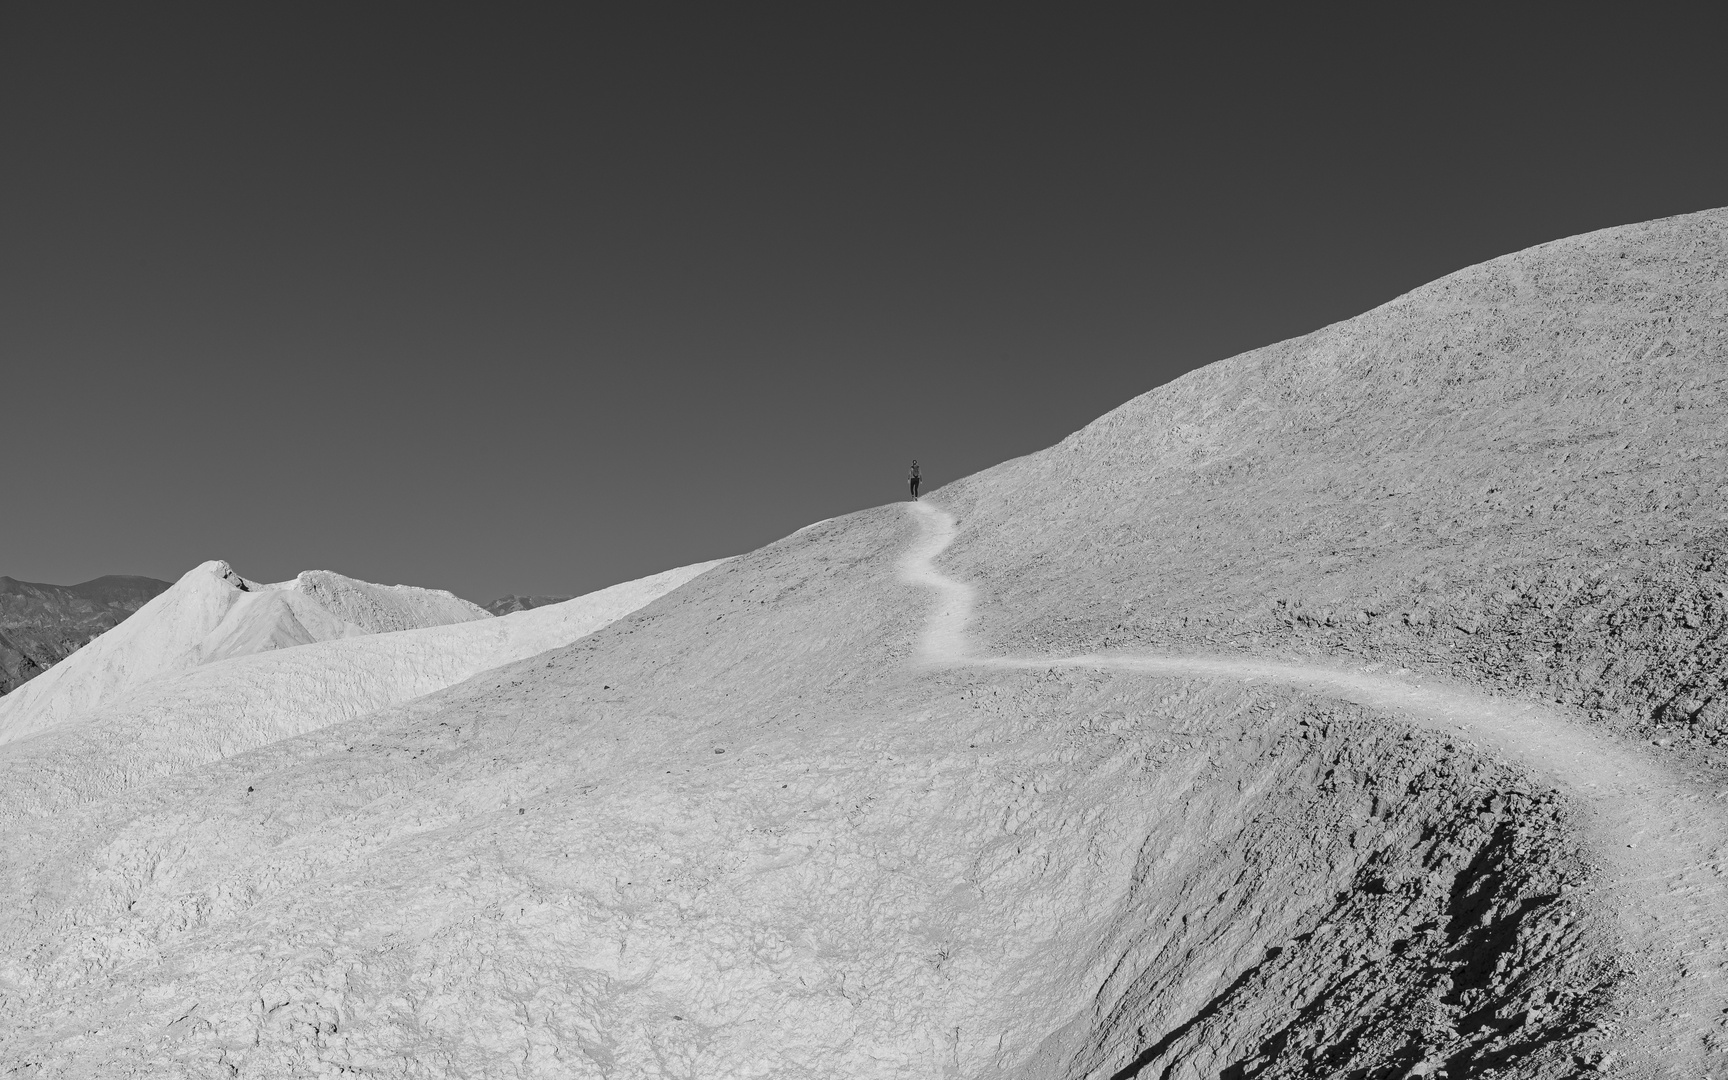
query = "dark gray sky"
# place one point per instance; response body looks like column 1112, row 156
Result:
column 538, row 302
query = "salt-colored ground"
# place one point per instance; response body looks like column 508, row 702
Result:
column 742, row 832
column 1663, row 840
column 212, row 614
column 226, row 707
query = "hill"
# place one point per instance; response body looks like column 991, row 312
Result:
column 212, row 613
column 41, row 625
column 1036, row 779
column 1516, row 476
column 226, row 707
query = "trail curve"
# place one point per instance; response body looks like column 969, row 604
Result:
column 1662, row 840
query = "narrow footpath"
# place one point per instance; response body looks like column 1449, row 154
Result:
column 1662, row 841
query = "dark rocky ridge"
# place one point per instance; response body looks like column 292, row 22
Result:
column 504, row 605
column 41, row 625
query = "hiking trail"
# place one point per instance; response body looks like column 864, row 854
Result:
column 1661, row 840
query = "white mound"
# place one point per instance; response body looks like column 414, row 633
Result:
column 213, row 614
column 229, row 706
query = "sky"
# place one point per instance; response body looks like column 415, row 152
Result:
column 524, row 299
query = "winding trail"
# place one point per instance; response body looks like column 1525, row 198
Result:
column 1662, row 841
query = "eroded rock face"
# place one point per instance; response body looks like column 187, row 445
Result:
column 1387, row 904
column 41, row 625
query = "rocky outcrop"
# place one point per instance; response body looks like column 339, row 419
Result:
column 504, row 605
column 41, row 625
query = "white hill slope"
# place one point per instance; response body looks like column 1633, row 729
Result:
column 229, row 706
column 1062, row 776
column 212, row 614
column 1662, row 850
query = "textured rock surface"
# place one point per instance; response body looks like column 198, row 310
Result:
column 641, row 855
column 1516, row 475
column 41, row 625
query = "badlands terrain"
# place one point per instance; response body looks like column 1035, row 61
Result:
column 1352, row 707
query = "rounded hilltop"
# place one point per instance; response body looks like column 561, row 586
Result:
column 1516, row 475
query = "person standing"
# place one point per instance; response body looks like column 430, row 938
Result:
column 914, row 480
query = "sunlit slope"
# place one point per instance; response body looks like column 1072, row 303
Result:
column 744, row 831
column 740, row 832
column 212, row 614
column 229, row 706
column 1518, row 473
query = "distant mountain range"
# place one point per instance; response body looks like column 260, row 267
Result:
column 40, row 625
column 504, row 605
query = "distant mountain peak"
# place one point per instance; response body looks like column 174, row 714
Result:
column 504, row 605
column 41, row 624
